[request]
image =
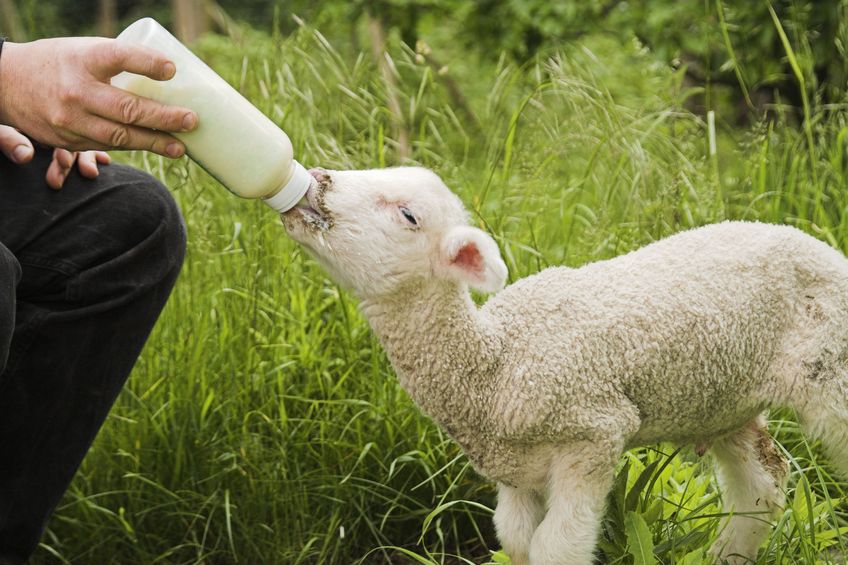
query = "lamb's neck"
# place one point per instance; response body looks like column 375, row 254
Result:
column 443, row 349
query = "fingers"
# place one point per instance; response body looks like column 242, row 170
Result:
column 64, row 158
column 60, row 166
column 16, row 146
column 125, row 108
column 104, row 134
column 87, row 164
column 63, row 162
column 112, row 57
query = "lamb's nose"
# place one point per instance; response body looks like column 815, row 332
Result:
column 320, row 175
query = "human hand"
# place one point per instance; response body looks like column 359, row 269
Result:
column 57, row 91
column 18, row 148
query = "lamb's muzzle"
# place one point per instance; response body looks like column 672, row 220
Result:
column 311, row 210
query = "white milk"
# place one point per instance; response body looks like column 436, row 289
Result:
column 234, row 141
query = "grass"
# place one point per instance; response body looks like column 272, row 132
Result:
column 263, row 423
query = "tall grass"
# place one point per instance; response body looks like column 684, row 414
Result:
column 263, row 423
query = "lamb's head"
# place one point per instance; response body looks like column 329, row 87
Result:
column 376, row 231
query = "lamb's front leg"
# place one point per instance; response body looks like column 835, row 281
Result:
column 517, row 516
column 579, row 480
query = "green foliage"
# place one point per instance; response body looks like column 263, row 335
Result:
column 732, row 43
column 645, row 502
column 640, row 543
column 523, row 27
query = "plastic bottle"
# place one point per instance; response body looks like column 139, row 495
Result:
column 234, row 141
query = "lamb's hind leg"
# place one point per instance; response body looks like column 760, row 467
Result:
column 825, row 414
column 517, row 516
column 752, row 475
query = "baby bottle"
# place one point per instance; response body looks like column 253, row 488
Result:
column 233, row 141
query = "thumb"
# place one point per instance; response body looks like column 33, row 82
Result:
column 15, row 145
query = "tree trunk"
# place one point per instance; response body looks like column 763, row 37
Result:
column 376, row 30
column 10, row 19
column 441, row 73
column 107, row 18
column 221, row 20
column 190, row 21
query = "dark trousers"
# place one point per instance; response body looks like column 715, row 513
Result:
column 84, row 273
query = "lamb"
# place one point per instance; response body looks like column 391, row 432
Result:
column 689, row 339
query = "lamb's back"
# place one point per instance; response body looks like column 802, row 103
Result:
column 686, row 329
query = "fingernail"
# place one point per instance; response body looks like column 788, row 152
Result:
column 189, row 121
column 169, row 69
column 21, row 153
column 174, row 150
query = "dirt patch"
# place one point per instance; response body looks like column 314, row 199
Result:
column 770, row 457
column 814, row 369
column 322, row 219
column 813, row 309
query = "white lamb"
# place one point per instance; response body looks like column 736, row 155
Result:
column 687, row 340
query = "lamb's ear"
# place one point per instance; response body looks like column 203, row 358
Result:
column 470, row 255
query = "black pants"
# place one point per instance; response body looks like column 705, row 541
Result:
column 84, row 273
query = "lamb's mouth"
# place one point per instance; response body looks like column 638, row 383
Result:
column 313, row 216
column 312, row 209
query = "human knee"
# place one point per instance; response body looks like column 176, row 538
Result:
column 140, row 237
column 10, row 275
column 156, row 221
column 10, row 269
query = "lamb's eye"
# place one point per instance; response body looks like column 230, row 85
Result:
column 410, row 217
